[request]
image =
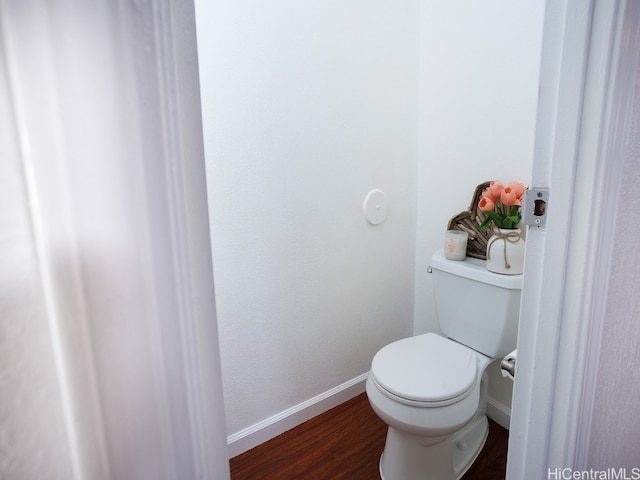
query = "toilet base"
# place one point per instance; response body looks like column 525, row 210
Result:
column 406, row 457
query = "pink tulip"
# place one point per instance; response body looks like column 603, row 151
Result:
column 519, row 188
column 495, row 188
column 487, row 194
column 486, row 204
column 509, row 197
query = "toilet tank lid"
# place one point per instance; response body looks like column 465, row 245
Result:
column 474, row 269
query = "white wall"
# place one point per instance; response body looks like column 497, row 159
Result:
column 309, row 105
column 614, row 440
column 33, row 438
column 109, row 365
column 479, row 66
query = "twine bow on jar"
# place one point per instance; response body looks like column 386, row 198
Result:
column 511, row 236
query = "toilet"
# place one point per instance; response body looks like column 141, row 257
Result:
column 430, row 389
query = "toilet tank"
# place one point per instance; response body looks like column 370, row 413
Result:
column 476, row 307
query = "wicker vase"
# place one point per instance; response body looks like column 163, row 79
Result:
column 505, row 252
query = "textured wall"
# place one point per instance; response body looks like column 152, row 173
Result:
column 33, row 441
column 107, row 326
column 616, row 417
column 307, row 106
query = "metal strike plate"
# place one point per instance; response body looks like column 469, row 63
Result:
column 535, row 207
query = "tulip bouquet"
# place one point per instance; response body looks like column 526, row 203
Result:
column 501, row 205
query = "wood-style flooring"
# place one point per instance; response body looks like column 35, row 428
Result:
column 345, row 443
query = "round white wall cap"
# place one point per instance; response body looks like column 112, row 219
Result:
column 376, row 207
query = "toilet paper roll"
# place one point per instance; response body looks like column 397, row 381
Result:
column 508, row 365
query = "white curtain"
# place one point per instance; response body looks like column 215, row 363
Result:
column 109, row 362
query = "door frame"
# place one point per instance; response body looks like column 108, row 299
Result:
column 589, row 64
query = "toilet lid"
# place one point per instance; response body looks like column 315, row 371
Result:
column 426, row 368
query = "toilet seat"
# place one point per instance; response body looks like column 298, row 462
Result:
column 426, row 371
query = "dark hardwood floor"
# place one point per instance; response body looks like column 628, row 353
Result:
column 345, row 443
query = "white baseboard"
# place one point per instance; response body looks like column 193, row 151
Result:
column 498, row 412
column 260, row 432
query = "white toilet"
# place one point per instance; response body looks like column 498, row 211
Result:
column 432, row 390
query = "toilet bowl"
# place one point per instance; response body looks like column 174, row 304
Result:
column 427, row 389
column 431, row 389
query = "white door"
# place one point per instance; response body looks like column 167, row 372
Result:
column 589, row 69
